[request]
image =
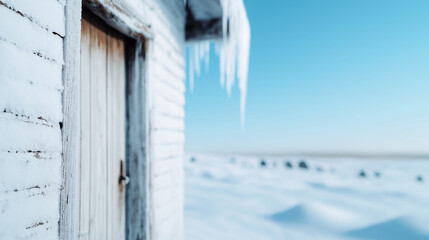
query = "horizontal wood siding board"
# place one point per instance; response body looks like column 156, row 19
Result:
column 31, row 118
column 34, row 214
column 177, row 99
column 47, row 45
column 163, row 122
column 27, row 67
column 175, row 121
column 160, row 101
column 33, row 101
column 171, row 180
column 166, row 196
column 175, row 224
column 177, row 57
column 169, row 78
column 166, row 216
column 35, row 11
column 166, row 136
column 167, row 108
column 22, row 136
column 162, row 48
column 169, row 92
column 173, row 33
column 165, row 53
column 175, row 78
column 166, row 166
column 167, row 151
column 26, row 164
column 174, row 11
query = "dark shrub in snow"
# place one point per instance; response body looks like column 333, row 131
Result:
column 419, row 178
column 377, row 174
column 303, row 165
column 362, row 174
column 263, row 163
column 193, row 159
column 288, row 164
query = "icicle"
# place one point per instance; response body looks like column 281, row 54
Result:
column 198, row 51
column 233, row 51
column 197, row 60
column 191, row 69
column 207, row 55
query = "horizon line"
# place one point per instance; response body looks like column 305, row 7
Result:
column 395, row 155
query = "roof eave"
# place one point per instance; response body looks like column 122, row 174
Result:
column 204, row 20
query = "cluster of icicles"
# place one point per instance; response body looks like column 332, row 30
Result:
column 233, row 51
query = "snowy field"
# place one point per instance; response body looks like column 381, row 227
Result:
column 237, row 198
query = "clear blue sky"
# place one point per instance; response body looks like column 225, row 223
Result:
column 324, row 76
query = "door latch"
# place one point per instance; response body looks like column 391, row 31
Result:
column 123, row 179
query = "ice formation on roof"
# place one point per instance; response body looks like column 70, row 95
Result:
column 233, row 51
column 198, row 51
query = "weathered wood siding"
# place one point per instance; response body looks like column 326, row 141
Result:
column 166, row 88
column 31, row 61
column 165, row 83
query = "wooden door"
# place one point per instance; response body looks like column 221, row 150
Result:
column 101, row 190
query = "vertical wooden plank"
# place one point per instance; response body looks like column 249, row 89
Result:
column 98, row 175
column 137, row 191
column 120, row 136
column 116, row 135
column 102, row 197
column 70, row 131
column 85, row 130
column 110, row 159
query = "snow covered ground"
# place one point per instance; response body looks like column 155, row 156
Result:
column 237, row 198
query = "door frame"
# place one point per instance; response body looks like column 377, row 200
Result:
column 139, row 39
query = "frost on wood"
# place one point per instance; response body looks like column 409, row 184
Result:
column 233, row 50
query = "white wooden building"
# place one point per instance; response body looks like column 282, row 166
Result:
column 92, row 108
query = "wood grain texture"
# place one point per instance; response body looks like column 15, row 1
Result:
column 85, row 130
column 155, row 117
column 116, row 136
column 155, row 100
column 98, row 172
column 102, row 195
